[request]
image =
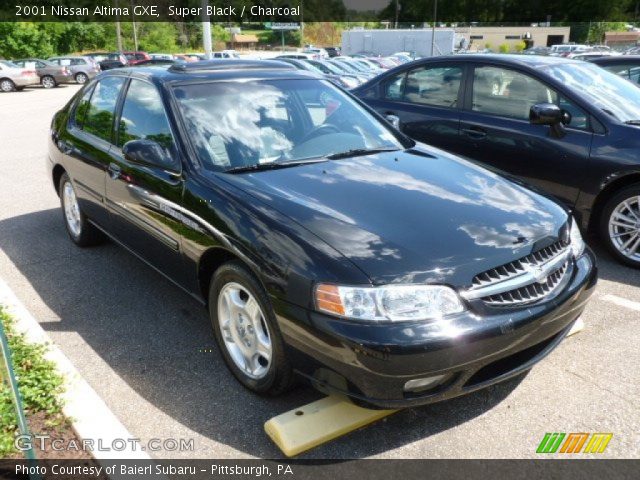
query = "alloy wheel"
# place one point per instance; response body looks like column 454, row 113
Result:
column 244, row 330
column 624, row 228
column 48, row 82
column 7, row 86
column 71, row 210
column 81, row 78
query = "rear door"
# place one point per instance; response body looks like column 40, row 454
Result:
column 87, row 142
column 427, row 101
column 145, row 199
column 495, row 129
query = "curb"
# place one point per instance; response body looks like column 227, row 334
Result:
column 90, row 417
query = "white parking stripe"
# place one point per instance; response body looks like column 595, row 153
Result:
column 623, row 302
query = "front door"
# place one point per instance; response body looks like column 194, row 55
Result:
column 496, row 131
column 145, row 198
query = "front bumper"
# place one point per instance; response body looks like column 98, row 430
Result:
column 371, row 363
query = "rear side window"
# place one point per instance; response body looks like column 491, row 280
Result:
column 102, row 106
column 82, row 107
column 78, row 61
column 143, row 116
column 393, row 88
column 437, row 86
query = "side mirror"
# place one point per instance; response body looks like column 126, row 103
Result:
column 393, row 120
column 545, row 114
column 148, row 152
column 550, row 114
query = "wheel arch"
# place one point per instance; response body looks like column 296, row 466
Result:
column 211, row 260
column 56, row 175
column 609, row 191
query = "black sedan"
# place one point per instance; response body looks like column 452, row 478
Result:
column 323, row 242
column 564, row 126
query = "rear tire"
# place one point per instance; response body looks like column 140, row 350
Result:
column 48, row 81
column 249, row 338
column 80, row 230
column 7, row 85
column 620, row 225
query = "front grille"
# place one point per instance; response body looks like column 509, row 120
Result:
column 529, row 293
column 526, row 280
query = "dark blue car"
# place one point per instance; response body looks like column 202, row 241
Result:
column 568, row 127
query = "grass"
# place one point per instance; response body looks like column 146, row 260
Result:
column 39, row 383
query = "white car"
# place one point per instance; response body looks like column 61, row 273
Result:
column 13, row 77
column 225, row 54
column 565, row 50
column 162, row 56
column 316, row 53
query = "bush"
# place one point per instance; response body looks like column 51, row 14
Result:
column 519, row 47
column 504, row 48
column 39, row 383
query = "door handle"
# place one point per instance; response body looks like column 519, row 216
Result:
column 475, row 132
column 114, row 170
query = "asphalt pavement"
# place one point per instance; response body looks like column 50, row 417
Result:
column 148, row 350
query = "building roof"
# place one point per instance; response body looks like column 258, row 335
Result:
column 241, row 38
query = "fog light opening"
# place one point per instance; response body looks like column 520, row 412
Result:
column 421, row 384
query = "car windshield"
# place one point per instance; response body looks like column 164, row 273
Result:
column 345, row 67
column 612, row 94
column 332, row 67
column 318, row 66
column 244, row 124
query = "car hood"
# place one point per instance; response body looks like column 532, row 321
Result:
column 419, row 215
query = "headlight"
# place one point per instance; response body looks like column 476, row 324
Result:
column 577, row 243
column 390, row 303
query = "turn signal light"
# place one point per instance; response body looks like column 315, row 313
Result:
column 328, row 299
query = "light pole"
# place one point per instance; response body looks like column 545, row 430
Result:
column 118, row 34
column 433, row 30
column 206, row 30
column 395, row 25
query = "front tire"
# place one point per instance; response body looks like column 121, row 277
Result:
column 7, row 85
column 247, row 332
column 620, row 225
column 80, row 230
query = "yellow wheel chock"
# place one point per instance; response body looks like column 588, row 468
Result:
column 318, row 422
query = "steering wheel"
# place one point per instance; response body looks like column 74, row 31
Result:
column 322, row 129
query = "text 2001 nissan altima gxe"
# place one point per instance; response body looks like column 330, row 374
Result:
column 323, row 242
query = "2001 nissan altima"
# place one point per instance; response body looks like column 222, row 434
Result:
column 322, row 241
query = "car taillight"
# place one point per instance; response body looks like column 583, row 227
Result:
column 29, row 73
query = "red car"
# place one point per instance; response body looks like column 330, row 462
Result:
column 136, row 57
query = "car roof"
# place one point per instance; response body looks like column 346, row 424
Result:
column 617, row 59
column 502, row 59
column 227, row 69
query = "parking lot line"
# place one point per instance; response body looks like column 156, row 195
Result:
column 623, row 302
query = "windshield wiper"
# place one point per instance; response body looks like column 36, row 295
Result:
column 271, row 165
column 356, row 152
column 632, row 122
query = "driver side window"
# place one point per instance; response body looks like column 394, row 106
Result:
column 508, row 93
